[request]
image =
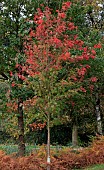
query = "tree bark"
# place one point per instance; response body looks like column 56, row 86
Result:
column 74, row 135
column 48, row 143
column 98, row 114
column 21, row 141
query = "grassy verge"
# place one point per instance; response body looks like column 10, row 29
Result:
column 9, row 149
column 94, row 167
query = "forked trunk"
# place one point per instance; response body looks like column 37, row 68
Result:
column 21, row 141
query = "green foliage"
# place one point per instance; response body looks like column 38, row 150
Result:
column 4, row 136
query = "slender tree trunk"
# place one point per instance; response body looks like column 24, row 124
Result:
column 74, row 135
column 48, row 143
column 98, row 114
column 21, row 141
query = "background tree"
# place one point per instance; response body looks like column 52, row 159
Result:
column 13, row 22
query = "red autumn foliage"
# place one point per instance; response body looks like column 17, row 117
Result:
column 91, row 87
column 63, row 160
column 93, row 52
column 13, row 84
column 82, row 71
column 37, row 126
column 11, row 74
column 83, row 89
column 53, row 43
column 66, row 5
column 93, row 79
column 12, row 106
column 98, row 46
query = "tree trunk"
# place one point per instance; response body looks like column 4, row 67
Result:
column 98, row 114
column 21, row 141
column 74, row 135
column 48, row 143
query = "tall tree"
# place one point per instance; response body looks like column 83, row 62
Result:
column 52, row 47
column 13, row 23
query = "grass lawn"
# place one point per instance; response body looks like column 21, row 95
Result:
column 94, row 167
column 9, row 149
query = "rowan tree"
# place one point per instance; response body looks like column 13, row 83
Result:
column 53, row 49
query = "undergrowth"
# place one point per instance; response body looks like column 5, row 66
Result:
column 65, row 159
